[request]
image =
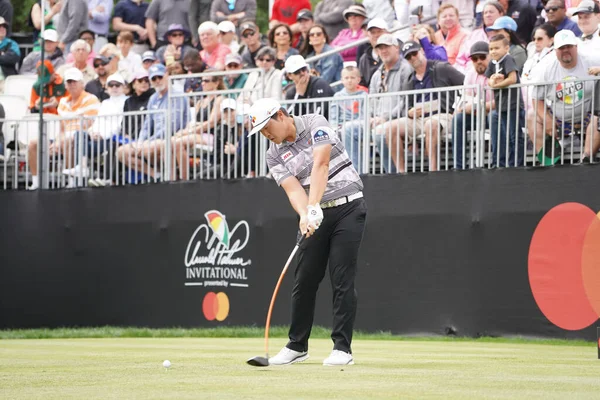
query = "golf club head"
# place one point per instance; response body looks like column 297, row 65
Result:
column 258, row 361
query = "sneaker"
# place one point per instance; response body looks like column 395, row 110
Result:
column 76, row 171
column 338, row 357
column 93, row 183
column 34, row 186
column 288, row 356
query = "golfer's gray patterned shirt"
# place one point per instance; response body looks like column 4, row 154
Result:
column 296, row 159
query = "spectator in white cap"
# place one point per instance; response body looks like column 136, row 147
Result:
column 266, row 83
column 280, row 38
column 354, row 15
column 137, row 101
column 175, row 48
column 77, row 104
column 233, row 62
column 148, row 59
column 51, row 52
column 329, row 68
column 369, row 62
column 304, row 21
column 161, row 14
column 588, row 18
column 562, row 110
column 213, row 52
column 330, row 14
column 233, row 10
column 306, row 86
column 228, row 36
column 97, row 139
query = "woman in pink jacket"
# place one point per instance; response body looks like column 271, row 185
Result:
column 355, row 15
column 491, row 12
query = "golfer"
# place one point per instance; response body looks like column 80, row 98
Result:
column 308, row 160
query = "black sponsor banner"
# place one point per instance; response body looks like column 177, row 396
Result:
column 443, row 253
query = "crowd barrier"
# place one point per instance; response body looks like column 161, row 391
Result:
column 454, row 128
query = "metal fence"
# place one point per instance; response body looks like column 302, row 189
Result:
column 205, row 134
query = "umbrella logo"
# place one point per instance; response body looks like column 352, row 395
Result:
column 218, row 224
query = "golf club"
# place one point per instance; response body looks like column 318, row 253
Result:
column 259, row 361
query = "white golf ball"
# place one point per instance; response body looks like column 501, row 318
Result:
column 166, row 363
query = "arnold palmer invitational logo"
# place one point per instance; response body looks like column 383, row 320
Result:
column 211, row 256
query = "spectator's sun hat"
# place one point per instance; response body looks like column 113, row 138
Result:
column 115, row 78
column 140, row 74
column 564, row 38
column 503, row 23
column 261, row 112
column 386, row 40
column 157, row 70
column 229, row 103
column 176, row 28
column 587, row 7
column 295, row 63
column 233, row 58
column 208, row 26
column 479, row 48
column 248, row 25
column 305, row 13
column 148, row 56
column 50, row 35
column 355, row 10
column 378, row 23
column 44, row 72
column 226, row 26
column 73, row 74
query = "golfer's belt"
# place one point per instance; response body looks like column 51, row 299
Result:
column 341, row 200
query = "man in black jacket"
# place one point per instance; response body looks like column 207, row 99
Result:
column 369, row 60
column 306, row 87
column 428, row 113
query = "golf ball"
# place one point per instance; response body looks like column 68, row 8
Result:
column 166, row 363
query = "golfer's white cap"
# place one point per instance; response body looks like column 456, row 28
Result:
column 294, row 63
column 261, row 112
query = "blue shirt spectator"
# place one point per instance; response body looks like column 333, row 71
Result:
column 155, row 124
column 130, row 15
column 330, row 67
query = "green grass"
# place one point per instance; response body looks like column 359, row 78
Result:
column 214, row 368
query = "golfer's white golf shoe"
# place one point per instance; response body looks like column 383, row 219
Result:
column 337, row 358
column 287, row 356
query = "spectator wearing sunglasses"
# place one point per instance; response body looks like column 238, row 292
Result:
column 97, row 87
column 355, row 16
column 266, row 83
column 233, row 10
column 213, row 52
column 137, row 101
column 233, row 62
column 329, row 68
column 252, row 42
column 97, row 139
column 176, row 37
column 306, row 86
column 556, row 13
column 280, row 38
column 464, row 118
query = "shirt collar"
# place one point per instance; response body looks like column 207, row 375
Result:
column 300, row 128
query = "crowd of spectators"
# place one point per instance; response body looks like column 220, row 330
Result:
column 493, row 44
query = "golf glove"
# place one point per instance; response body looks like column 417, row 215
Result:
column 314, row 216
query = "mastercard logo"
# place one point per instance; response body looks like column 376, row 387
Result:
column 215, row 306
column 564, row 266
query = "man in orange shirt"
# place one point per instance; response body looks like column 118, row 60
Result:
column 77, row 105
column 49, row 86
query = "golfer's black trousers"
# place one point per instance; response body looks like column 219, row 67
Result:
column 336, row 242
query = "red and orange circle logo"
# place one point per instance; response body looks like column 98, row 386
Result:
column 215, row 306
column 564, row 266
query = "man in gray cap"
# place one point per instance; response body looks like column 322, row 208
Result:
column 588, row 18
column 465, row 116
